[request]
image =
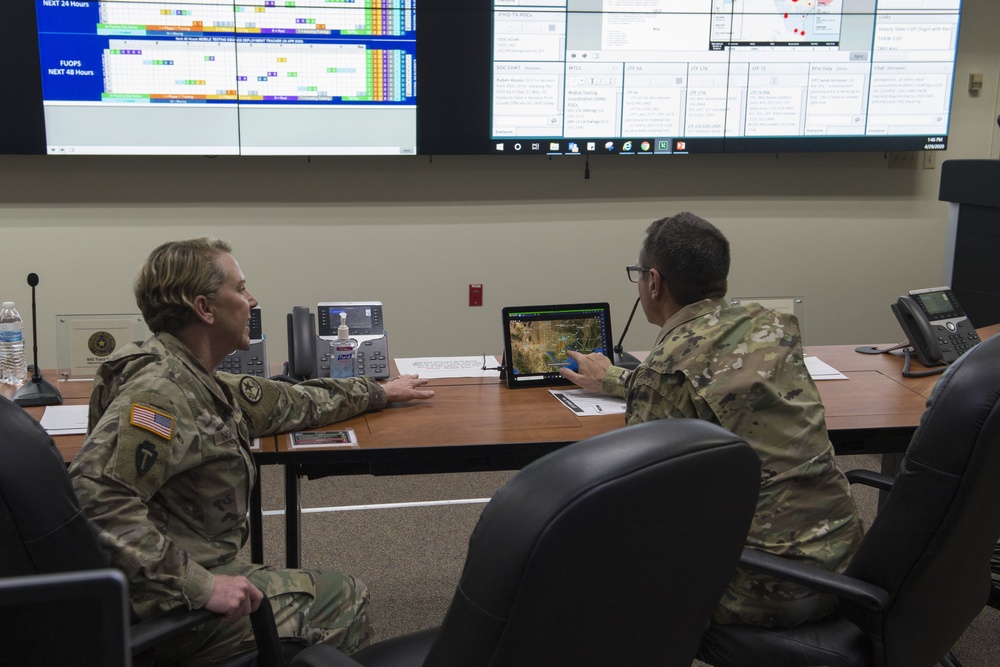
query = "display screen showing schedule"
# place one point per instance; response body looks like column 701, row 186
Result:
column 257, row 77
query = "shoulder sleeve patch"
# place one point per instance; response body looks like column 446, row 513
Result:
column 257, row 399
column 250, row 389
column 141, row 463
column 152, row 420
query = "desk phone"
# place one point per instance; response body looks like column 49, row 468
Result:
column 364, row 319
column 935, row 325
column 309, row 353
column 254, row 360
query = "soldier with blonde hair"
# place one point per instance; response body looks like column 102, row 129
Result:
column 741, row 367
column 165, row 471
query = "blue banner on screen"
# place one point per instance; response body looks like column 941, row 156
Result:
column 208, row 77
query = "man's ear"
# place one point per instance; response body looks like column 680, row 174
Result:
column 656, row 285
column 203, row 309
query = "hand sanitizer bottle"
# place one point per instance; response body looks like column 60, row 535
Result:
column 343, row 353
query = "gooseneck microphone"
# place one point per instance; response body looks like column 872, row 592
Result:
column 622, row 358
column 37, row 391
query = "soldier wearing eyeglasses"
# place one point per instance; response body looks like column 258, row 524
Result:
column 741, row 367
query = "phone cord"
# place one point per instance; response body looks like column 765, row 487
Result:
column 907, row 373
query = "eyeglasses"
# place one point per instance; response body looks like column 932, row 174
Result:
column 634, row 271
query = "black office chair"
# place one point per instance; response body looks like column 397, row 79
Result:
column 43, row 531
column 84, row 616
column 922, row 573
column 611, row 551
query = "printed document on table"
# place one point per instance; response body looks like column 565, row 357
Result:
column 588, row 404
column 820, row 370
column 449, row 367
column 65, row 419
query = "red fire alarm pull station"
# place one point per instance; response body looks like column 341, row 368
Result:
column 475, row 295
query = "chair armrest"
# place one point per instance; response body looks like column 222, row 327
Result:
column 861, row 593
column 269, row 651
column 870, row 478
column 150, row 632
column 323, row 655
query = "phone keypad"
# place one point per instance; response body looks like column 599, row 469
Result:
column 954, row 338
column 372, row 361
column 371, row 358
column 243, row 364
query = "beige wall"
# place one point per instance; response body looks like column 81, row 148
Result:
column 842, row 230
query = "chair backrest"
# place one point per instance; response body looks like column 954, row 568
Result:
column 931, row 543
column 42, row 529
column 611, row 551
column 85, row 616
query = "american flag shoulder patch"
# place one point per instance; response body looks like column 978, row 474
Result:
column 151, row 420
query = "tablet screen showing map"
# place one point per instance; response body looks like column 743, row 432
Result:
column 536, row 339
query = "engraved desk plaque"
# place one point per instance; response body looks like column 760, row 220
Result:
column 83, row 342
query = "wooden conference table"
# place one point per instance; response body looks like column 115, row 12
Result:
column 475, row 425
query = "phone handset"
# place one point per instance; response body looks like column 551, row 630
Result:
column 301, row 343
column 918, row 332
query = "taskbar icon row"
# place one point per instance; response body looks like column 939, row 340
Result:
column 665, row 146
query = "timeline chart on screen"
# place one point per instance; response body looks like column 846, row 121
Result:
column 168, row 71
column 312, row 72
column 315, row 52
column 669, row 71
column 375, row 18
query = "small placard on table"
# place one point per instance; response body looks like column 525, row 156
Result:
column 345, row 437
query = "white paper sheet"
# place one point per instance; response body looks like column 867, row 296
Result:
column 588, row 404
column 65, row 419
column 449, row 367
column 820, row 370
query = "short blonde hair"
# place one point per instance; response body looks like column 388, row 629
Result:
column 172, row 276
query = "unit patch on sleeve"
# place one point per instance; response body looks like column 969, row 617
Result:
column 251, row 389
column 151, row 420
column 145, row 457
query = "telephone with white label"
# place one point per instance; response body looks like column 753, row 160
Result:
column 252, row 361
column 309, row 353
column 935, row 325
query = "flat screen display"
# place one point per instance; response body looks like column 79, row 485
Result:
column 536, row 339
column 458, row 77
column 681, row 76
column 938, row 303
column 362, row 318
column 228, row 77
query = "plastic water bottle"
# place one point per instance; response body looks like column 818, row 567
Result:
column 344, row 349
column 13, row 368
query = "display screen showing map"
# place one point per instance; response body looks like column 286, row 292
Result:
column 537, row 339
column 679, row 76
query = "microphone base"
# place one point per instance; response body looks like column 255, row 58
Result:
column 626, row 360
column 37, row 391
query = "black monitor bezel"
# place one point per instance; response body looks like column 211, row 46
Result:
column 549, row 379
column 451, row 120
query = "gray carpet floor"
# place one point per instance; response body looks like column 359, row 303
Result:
column 411, row 557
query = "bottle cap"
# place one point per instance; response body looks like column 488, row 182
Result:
column 343, row 333
column 8, row 304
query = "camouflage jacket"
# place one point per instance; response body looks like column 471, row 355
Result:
column 743, row 368
column 165, row 471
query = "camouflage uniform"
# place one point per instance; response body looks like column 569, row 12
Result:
column 165, row 474
column 743, row 368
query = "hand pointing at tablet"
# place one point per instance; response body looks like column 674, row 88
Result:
column 590, row 370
